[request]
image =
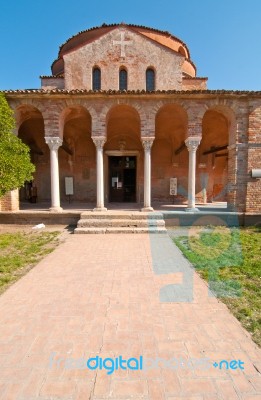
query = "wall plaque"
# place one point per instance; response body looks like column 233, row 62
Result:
column 173, row 186
column 69, row 185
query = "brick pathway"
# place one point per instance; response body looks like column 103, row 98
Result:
column 107, row 295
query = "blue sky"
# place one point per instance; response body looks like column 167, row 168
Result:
column 224, row 36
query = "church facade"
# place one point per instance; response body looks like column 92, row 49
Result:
column 124, row 119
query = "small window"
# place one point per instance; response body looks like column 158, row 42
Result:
column 123, row 79
column 150, row 80
column 96, row 79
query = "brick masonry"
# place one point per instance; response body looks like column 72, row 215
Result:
column 10, row 202
column 78, row 307
column 76, row 114
column 106, row 55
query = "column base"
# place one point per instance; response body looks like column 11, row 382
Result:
column 192, row 209
column 147, row 209
column 100, row 209
column 56, row 209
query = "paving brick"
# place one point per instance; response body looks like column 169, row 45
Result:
column 244, row 384
column 59, row 307
column 12, row 391
column 197, row 386
column 156, row 391
column 181, row 397
column 256, row 382
column 84, row 390
column 227, row 389
column 62, row 389
column 128, row 389
column 102, row 384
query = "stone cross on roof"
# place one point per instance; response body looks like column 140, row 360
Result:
column 122, row 43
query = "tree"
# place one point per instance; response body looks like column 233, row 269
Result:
column 15, row 163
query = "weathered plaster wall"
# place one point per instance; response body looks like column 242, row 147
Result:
column 140, row 53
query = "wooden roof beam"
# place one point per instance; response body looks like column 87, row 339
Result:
column 215, row 149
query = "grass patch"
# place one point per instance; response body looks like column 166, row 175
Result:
column 19, row 252
column 230, row 260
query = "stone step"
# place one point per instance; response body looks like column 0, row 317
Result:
column 104, row 223
column 120, row 222
column 120, row 215
column 97, row 230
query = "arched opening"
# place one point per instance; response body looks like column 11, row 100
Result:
column 150, row 79
column 123, row 150
column 30, row 125
column 77, row 157
column 212, row 168
column 123, row 79
column 169, row 154
column 96, row 78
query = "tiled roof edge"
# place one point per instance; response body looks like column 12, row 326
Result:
column 51, row 77
column 196, row 77
column 124, row 92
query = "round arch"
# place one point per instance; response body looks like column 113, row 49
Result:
column 169, row 154
column 106, row 110
column 30, row 129
column 218, row 131
column 123, row 154
column 123, row 123
column 72, row 113
column 77, row 156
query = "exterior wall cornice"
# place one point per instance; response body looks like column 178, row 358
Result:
column 55, row 93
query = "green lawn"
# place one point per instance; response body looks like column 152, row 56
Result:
column 230, row 260
column 19, row 252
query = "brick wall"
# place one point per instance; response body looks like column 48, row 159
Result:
column 52, row 83
column 253, row 196
column 10, row 202
column 241, row 119
column 107, row 56
column 194, row 83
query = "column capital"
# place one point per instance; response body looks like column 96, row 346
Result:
column 53, row 142
column 192, row 142
column 99, row 141
column 147, row 142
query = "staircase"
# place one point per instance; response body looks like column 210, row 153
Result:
column 120, row 222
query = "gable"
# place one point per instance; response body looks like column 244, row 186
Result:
column 122, row 47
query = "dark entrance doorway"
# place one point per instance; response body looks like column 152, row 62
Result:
column 122, row 179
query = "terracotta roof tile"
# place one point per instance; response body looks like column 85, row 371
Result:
column 129, row 92
column 51, row 76
column 195, row 78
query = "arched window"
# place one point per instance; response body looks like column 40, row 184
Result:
column 123, row 79
column 150, row 80
column 96, row 79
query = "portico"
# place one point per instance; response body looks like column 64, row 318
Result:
column 123, row 116
column 134, row 160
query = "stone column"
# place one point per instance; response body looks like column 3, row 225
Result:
column 99, row 143
column 147, row 144
column 54, row 143
column 192, row 145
